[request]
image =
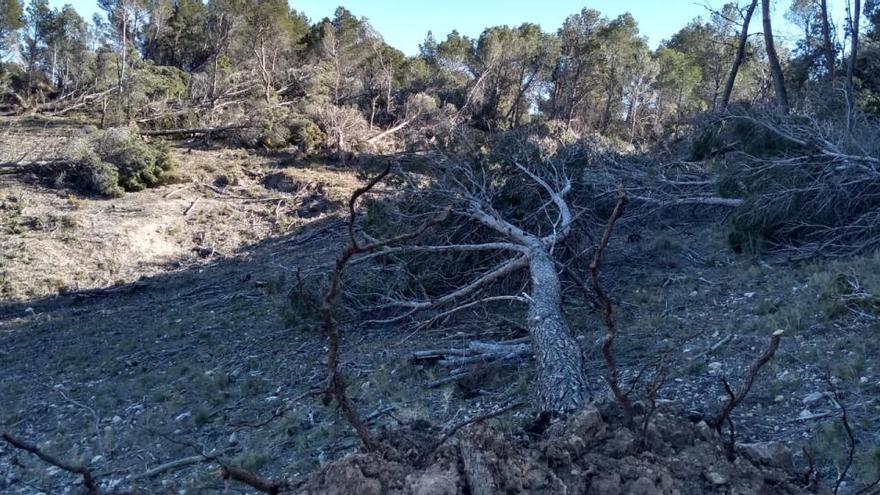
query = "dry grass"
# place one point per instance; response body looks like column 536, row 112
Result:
column 53, row 241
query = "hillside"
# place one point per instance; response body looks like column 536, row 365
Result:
column 246, row 251
column 140, row 326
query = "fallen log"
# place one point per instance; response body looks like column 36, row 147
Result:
column 192, row 130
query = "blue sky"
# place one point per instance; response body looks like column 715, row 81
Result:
column 404, row 23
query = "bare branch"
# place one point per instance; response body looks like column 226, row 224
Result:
column 229, row 472
column 850, row 444
column 612, row 377
column 469, row 289
column 736, row 398
column 89, row 481
column 453, row 430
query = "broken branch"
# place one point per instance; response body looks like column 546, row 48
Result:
column 88, row 480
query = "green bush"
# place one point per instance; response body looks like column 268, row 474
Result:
column 307, row 135
column 116, row 160
column 267, row 129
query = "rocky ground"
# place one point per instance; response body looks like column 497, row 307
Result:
column 139, row 331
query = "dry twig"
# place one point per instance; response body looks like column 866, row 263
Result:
column 454, row 429
column 89, row 482
column 735, row 398
column 607, row 311
column 336, row 384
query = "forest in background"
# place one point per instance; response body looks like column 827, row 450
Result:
column 180, row 64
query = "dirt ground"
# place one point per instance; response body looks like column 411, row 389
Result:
column 142, row 330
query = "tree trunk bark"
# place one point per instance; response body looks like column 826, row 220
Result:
column 740, row 55
column 560, row 386
column 773, row 57
column 826, row 40
column 853, row 54
column 124, row 48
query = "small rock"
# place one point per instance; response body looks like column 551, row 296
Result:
column 116, row 420
column 273, row 398
column 606, row 485
column 779, row 398
column 181, row 417
column 773, row 454
column 622, row 443
column 749, row 295
column 715, row 478
column 643, row 486
column 97, row 459
column 433, row 481
column 813, row 398
column 715, row 367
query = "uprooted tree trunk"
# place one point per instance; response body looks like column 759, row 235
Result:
column 560, row 383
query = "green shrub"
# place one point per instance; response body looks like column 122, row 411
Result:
column 307, row 135
column 267, row 129
column 116, row 160
column 95, row 175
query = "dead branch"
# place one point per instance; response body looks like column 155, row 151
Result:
column 476, row 358
column 871, row 488
column 697, row 200
column 791, row 133
column 95, row 416
column 191, row 206
column 612, row 376
column 850, row 441
column 193, row 130
column 89, row 481
column 179, row 189
column 657, row 383
column 502, row 270
column 83, row 100
column 454, row 429
column 734, row 399
column 389, row 131
column 229, row 472
column 177, row 463
column 336, row 383
column 714, row 347
column 279, row 412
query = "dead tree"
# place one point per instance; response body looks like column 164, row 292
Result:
column 470, row 189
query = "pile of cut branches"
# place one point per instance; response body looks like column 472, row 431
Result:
column 805, row 190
